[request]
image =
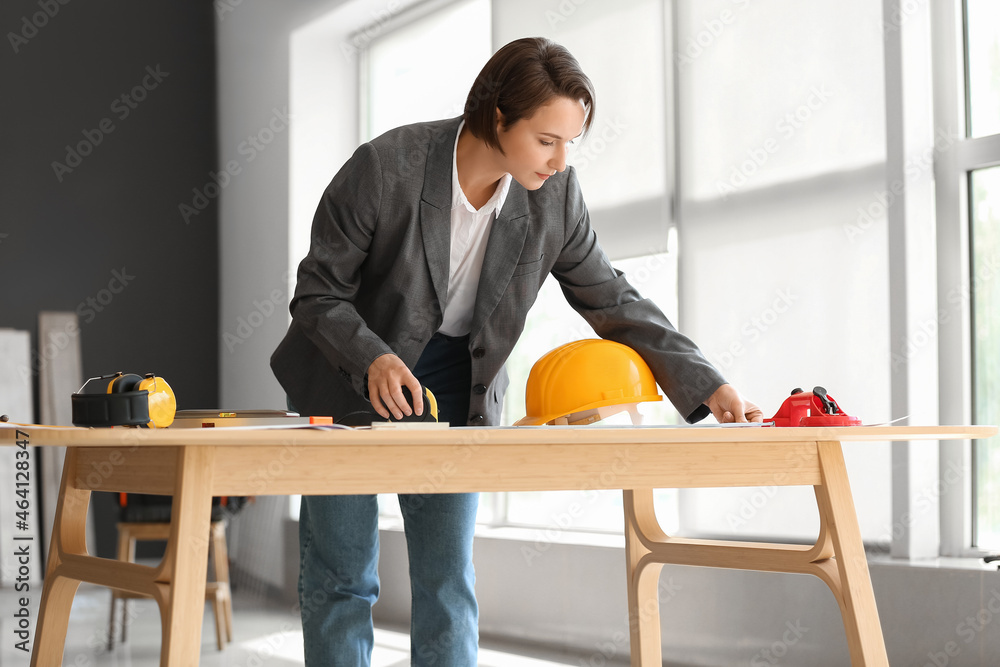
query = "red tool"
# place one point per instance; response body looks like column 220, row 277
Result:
column 812, row 408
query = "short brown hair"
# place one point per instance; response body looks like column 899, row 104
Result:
column 519, row 78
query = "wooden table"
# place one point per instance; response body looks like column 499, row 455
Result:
column 193, row 465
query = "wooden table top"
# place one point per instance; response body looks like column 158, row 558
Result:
column 543, row 435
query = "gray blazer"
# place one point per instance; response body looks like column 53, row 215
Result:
column 375, row 281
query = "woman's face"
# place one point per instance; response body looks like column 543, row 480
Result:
column 536, row 147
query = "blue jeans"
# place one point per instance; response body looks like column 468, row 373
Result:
column 338, row 540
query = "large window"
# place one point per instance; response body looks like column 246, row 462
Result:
column 971, row 164
column 983, row 66
column 982, row 59
column 423, row 69
column 984, row 214
column 782, row 232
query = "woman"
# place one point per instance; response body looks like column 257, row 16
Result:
column 428, row 248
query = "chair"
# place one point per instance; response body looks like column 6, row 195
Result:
column 217, row 591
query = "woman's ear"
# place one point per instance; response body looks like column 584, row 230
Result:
column 500, row 119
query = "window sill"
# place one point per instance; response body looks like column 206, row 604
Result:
column 534, row 536
column 530, row 535
column 940, row 563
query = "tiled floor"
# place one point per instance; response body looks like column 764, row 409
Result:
column 266, row 634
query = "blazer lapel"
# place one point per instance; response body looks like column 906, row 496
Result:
column 435, row 227
column 435, row 208
column 503, row 249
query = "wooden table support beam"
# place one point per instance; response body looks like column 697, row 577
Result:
column 837, row 557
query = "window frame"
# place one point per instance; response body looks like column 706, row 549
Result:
column 953, row 170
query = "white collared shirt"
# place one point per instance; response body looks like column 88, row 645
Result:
column 470, row 230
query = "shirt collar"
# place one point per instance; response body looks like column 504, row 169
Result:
column 458, row 197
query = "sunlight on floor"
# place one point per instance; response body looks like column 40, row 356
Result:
column 267, row 634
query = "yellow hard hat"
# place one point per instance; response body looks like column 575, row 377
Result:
column 583, row 377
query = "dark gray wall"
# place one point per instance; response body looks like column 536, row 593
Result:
column 63, row 237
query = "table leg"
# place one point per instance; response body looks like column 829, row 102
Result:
column 854, row 593
column 185, row 563
column 68, row 537
column 643, row 578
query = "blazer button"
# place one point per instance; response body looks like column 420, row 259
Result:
column 476, row 419
column 479, row 353
column 479, row 389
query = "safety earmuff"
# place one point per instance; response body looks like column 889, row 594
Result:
column 124, row 399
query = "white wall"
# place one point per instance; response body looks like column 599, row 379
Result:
column 573, row 597
column 253, row 84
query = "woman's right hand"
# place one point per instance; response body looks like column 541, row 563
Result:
column 387, row 376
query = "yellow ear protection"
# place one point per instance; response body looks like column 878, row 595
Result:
column 124, row 399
